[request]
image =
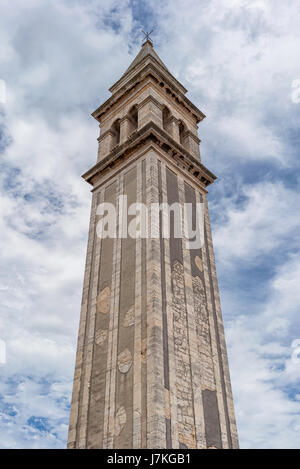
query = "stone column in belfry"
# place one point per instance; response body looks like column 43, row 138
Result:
column 151, row 366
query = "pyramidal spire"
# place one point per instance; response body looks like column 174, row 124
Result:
column 147, row 49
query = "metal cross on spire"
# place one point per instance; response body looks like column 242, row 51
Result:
column 147, row 35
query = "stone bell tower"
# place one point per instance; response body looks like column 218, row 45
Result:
column 151, row 366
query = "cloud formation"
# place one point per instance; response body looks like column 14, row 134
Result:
column 239, row 59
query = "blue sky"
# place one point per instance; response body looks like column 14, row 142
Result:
column 239, row 60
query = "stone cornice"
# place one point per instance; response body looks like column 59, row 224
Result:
column 159, row 77
column 125, row 118
column 148, row 58
column 193, row 136
column 150, row 99
column 102, row 136
column 157, row 135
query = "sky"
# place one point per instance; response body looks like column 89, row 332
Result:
column 239, row 59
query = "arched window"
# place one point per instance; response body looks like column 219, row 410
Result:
column 116, row 133
column 182, row 134
column 166, row 119
column 133, row 118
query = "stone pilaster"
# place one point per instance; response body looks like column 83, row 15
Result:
column 81, row 350
column 150, row 110
column 105, row 144
column 193, row 331
column 174, row 128
column 137, row 359
column 171, row 390
column 156, row 435
column 125, row 126
column 193, row 144
column 110, row 391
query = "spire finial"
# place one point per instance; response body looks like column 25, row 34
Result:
column 147, row 35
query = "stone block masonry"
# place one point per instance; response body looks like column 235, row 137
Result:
column 151, row 367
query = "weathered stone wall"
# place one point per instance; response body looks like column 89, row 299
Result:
column 125, row 354
column 150, row 101
column 151, row 367
column 100, row 315
column 184, row 397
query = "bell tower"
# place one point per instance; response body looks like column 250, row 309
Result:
column 151, row 366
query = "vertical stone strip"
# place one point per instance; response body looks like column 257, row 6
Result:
column 110, row 394
column 125, row 369
column 164, row 318
column 137, row 363
column 100, row 316
column 89, row 346
column 156, row 426
column 220, row 336
column 210, row 434
column 171, row 393
column 185, row 410
column 192, row 324
column 73, row 437
column 144, row 323
column 208, row 385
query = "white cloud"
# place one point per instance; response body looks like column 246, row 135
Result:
column 238, row 62
column 250, row 138
column 263, row 373
column 57, row 60
column 263, row 222
column 238, row 59
column 260, row 331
